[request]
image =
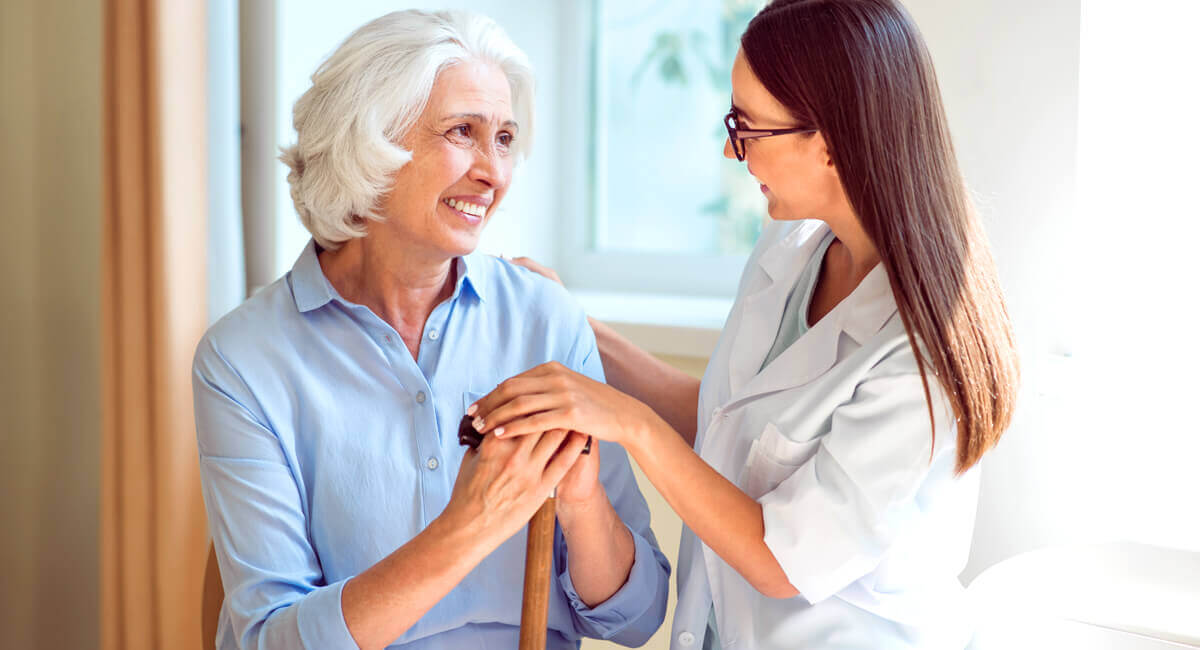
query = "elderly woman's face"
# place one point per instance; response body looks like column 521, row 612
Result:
column 462, row 161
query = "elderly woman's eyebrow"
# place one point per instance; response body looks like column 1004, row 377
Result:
column 480, row 117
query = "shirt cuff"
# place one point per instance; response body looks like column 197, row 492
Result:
column 320, row 620
column 628, row 604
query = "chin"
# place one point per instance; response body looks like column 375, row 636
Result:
column 460, row 244
column 776, row 213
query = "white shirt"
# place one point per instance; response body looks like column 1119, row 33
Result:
column 860, row 503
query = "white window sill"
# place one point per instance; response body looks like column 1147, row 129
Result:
column 671, row 325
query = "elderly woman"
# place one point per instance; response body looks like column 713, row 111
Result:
column 343, row 511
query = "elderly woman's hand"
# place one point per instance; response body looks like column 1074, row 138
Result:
column 581, row 485
column 504, row 481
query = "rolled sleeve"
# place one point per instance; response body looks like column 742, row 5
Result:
column 275, row 593
column 636, row 610
column 833, row 520
column 320, row 621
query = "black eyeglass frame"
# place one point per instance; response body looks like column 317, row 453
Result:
column 736, row 135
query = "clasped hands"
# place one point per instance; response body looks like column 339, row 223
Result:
column 535, row 425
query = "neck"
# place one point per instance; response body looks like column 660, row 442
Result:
column 857, row 253
column 399, row 284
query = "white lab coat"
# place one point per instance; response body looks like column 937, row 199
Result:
column 861, row 506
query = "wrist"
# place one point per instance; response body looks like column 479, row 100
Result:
column 468, row 526
column 582, row 508
column 584, row 514
column 640, row 434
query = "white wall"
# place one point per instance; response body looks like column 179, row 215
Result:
column 1082, row 151
column 1009, row 71
column 50, row 171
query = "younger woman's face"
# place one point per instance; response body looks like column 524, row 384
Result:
column 794, row 170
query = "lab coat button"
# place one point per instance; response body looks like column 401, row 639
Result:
column 686, row 638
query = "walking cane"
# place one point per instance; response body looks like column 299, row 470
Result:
column 539, row 556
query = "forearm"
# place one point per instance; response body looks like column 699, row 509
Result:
column 383, row 602
column 600, row 549
column 672, row 393
column 717, row 511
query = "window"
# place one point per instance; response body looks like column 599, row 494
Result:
column 660, row 209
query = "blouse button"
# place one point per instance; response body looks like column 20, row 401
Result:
column 686, row 638
column 433, row 335
column 421, row 397
column 432, row 463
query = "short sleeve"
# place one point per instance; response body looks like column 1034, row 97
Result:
column 831, row 521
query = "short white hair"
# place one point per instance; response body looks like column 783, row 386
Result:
column 368, row 94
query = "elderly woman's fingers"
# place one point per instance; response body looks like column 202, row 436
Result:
column 563, row 461
column 546, row 446
column 540, row 269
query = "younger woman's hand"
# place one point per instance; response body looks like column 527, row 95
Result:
column 550, row 397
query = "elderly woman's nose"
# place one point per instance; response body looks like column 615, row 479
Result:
column 489, row 166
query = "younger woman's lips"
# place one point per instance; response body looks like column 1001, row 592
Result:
column 764, row 188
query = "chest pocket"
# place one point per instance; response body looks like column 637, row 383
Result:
column 773, row 457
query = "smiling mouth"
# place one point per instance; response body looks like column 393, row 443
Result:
column 469, row 209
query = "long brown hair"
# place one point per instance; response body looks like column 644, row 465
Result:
column 859, row 71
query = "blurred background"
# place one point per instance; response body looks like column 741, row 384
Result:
column 142, row 199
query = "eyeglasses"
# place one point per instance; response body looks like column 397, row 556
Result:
column 736, row 135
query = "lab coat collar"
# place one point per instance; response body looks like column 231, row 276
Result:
column 860, row 315
column 760, row 310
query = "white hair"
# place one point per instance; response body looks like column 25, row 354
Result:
column 367, row 95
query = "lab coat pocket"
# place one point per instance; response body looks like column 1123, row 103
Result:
column 773, row 457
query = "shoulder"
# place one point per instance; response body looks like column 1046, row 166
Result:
column 538, row 315
column 892, row 380
column 515, row 286
column 252, row 331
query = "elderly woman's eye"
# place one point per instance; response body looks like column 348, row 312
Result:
column 505, row 139
column 460, row 132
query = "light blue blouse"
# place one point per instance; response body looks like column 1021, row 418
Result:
column 324, row 446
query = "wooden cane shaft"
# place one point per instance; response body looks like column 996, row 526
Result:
column 539, row 556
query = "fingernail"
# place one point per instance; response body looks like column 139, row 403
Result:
column 499, row 431
column 472, row 408
column 478, row 422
